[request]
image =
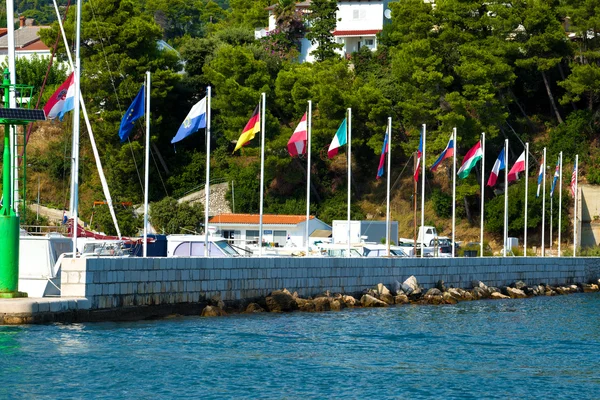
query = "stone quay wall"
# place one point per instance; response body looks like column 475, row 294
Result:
column 129, row 282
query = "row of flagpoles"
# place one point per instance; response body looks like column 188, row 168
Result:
column 62, row 101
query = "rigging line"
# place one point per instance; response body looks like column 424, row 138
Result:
column 135, row 163
column 159, row 174
column 64, row 189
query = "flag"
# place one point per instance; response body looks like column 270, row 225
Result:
column 134, row 112
column 499, row 165
column 540, row 177
column 519, row 166
column 251, row 129
column 196, row 119
column 556, row 176
column 471, row 158
column 447, row 153
column 340, row 139
column 61, row 101
column 574, row 179
column 384, row 150
column 419, row 155
column 297, row 143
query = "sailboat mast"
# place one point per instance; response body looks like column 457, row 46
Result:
column 75, row 146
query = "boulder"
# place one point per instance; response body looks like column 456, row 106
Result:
column 588, row 288
column 370, row 301
column 440, row 286
column 561, row 290
column 281, row 301
column 433, row 292
column 467, row 296
column 254, row 308
column 401, row 299
column 305, row 305
column 386, row 298
column 493, row 289
column 411, row 286
column 449, row 299
column 480, row 293
column 212, row 311
column 349, row 300
column 515, row 293
column 434, row 298
column 322, row 304
column 518, row 285
column 216, row 301
column 498, row 296
column 455, row 294
column 337, row 304
column 381, row 289
column 479, row 284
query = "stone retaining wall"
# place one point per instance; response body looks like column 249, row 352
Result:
column 125, row 282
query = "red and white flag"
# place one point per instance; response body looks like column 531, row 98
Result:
column 574, row 180
column 519, row 166
column 297, row 143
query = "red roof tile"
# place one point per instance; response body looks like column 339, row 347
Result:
column 268, row 219
column 366, row 32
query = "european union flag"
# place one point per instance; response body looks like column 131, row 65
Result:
column 134, row 112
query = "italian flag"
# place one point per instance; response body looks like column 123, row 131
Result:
column 474, row 155
column 339, row 140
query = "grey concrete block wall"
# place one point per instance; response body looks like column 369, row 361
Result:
column 119, row 282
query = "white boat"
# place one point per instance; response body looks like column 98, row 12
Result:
column 194, row 246
column 39, row 263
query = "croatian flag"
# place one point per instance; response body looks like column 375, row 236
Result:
column 419, row 155
column 499, row 165
column 196, row 119
column 540, row 177
column 384, row 150
column 62, row 101
column 340, row 139
column 447, row 153
column 556, row 176
column 297, row 143
column 519, row 166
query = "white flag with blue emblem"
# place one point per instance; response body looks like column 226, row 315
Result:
column 196, row 119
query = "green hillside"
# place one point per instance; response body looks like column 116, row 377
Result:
column 523, row 71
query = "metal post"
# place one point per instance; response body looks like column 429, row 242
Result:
column 147, row 165
column 526, row 197
column 308, row 148
column 207, row 184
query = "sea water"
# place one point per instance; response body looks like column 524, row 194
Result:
column 543, row 347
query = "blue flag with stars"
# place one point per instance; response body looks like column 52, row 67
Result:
column 134, row 112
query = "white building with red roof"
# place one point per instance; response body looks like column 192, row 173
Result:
column 27, row 41
column 278, row 230
column 358, row 23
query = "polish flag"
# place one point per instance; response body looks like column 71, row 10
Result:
column 519, row 166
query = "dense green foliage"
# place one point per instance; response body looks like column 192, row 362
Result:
column 510, row 70
column 168, row 216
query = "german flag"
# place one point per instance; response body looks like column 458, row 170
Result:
column 252, row 127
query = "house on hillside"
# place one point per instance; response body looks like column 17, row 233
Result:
column 27, row 41
column 358, row 23
column 278, row 230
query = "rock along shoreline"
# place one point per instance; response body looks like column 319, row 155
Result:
column 407, row 292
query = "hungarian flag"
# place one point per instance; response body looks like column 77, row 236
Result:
column 556, row 176
column 519, row 166
column 340, row 139
column 297, row 143
column 540, row 177
column 447, row 153
column 574, row 179
column 419, row 155
column 251, row 129
column 61, row 101
column 471, row 158
column 499, row 165
column 384, row 150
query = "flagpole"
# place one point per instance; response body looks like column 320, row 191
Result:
column 308, row 146
column 207, row 184
column 75, row 142
column 575, row 207
column 526, row 197
column 505, row 199
column 387, row 212
column 415, row 205
column 550, row 246
column 454, row 193
column 482, row 189
column 423, row 189
column 559, row 201
column 349, row 136
column 262, row 171
column 147, row 164
column 544, row 204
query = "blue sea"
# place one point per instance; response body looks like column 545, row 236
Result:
column 545, row 347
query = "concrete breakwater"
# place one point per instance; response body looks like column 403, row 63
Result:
column 137, row 288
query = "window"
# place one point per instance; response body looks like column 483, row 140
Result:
column 369, row 42
column 252, row 236
column 279, row 238
column 355, row 14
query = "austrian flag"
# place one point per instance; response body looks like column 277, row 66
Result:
column 297, row 143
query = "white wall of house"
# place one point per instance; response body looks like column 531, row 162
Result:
column 358, row 15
